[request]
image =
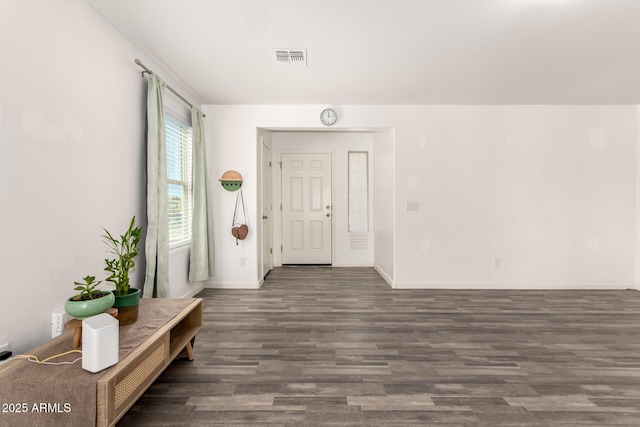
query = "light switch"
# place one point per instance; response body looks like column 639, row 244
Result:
column 413, row 206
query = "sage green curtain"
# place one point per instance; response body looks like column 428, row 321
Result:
column 201, row 257
column 156, row 283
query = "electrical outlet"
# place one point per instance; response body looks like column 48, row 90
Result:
column 243, row 261
column 497, row 262
column 58, row 319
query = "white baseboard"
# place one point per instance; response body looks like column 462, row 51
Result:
column 196, row 288
column 347, row 265
column 517, row 286
column 234, row 285
column 385, row 276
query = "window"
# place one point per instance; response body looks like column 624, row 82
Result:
column 179, row 184
column 358, row 192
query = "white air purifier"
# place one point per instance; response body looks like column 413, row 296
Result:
column 100, row 342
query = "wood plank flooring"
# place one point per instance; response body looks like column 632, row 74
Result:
column 338, row 347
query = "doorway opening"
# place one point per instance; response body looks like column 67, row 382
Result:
column 309, row 205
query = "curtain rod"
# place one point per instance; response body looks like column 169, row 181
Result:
column 172, row 90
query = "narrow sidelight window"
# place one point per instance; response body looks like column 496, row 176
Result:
column 358, row 192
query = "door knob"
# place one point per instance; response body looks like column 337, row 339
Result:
column 265, row 217
column 328, row 207
column 328, row 215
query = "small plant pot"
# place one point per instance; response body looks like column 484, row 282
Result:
column 87, row 308
column 127, row 306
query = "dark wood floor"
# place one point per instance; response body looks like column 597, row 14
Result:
column 323, row 346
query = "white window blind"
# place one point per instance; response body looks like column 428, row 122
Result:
column 358, row 192
column 180, row 197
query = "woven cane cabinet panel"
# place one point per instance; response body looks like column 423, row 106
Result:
column 125, row 382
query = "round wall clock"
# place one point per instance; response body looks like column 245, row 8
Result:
column 328, row 117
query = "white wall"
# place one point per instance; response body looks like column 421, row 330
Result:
column 231, row 147
column 72, row 122
column 549, row 190
column 338, row 144
column 384, row 205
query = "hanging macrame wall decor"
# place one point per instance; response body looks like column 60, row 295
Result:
column 239, row 229
column 232, row 181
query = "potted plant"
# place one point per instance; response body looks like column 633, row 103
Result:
column 125, row 250
column 90, row 301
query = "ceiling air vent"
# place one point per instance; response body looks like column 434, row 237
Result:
column 293, row 57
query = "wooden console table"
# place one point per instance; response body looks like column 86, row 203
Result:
column 72, row 396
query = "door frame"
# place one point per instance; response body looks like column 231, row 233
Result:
column 276, row 194
column 267, row 233
column 385, row 140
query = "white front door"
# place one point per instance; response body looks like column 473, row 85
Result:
column 306, row 208
column 267, row 257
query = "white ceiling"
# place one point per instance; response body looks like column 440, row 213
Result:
column 392, row 52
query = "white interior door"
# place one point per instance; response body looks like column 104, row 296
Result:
column 267, row 241
column 306, row 208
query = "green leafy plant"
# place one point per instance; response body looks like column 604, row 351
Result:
column 125, row 250
column 87, row 289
